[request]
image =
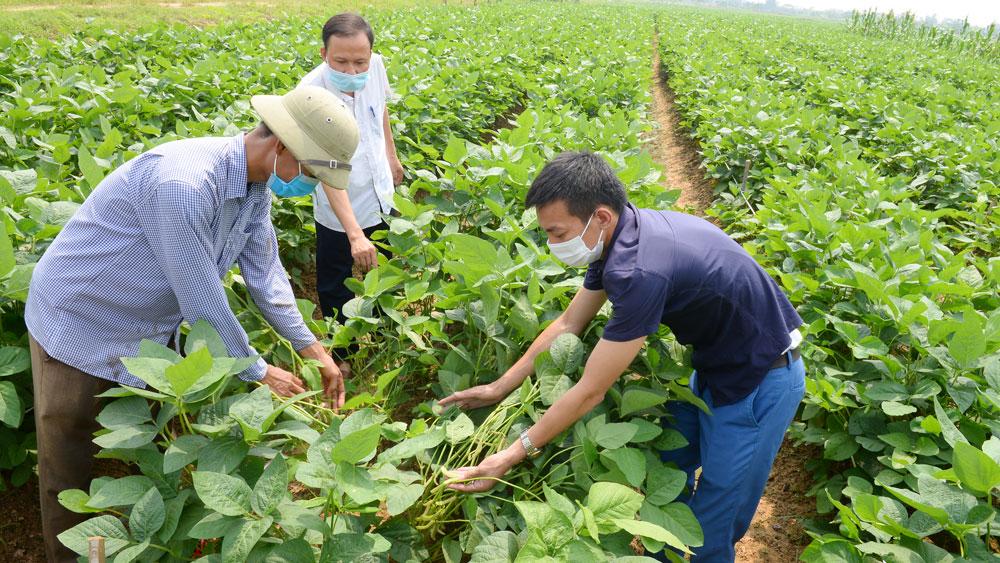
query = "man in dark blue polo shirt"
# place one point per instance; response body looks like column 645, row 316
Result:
column 662, row 267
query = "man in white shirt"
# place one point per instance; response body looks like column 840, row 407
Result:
column 345, row 219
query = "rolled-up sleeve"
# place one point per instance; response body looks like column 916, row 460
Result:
column 177, row 220
column 268, row 284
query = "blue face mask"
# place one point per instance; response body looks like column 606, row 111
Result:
column 298, row 186
column 347, row 82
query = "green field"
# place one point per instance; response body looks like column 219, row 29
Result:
column 861, row 168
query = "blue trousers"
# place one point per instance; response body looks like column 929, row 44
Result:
column 735, row 448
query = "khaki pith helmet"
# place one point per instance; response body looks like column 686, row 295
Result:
column 316, row 127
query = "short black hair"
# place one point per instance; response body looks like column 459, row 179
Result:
column 346, row 25
column 264, row 130
column 583, row 180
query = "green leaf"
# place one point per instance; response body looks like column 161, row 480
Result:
column 630, row 461
column 356, row 446
column 6, row 134
column 412, row 446
column 10, row 405
column 400, row 497
column 238, row 542
column 610, row 435
column 108, row 527
column 678, row 519
column 150, row 349
column 651, row 531
column 836, row 551
column 968, row 342
column 931, row 507
column 357, row 482
column 185, row 373
column 76, row 500
column 127, row 437
column 840, row 446
column 551, row 526
column 615, row 435
column 567, row 353
column 147, row 515
column 610, row 502
column 636, row 399
column 125, row 412
column 292, row 551
column 23, row 181
column 892, row 408
column 203, row 335
column 552, row 385
column 92, row 171
column 459, row 429
column 558, row 501
column 124, row 491
column 13, row 359
column 131, row 552
column 174, row 509
column 663, row 484
column 183, row 451
column 590, row 523
column 213, row 525
column 948, row 429
column 352, row 547
column 252, row 411
column 271, row 487
column 7, row 259
column 455, row 151
column 151, row 371
column 975, row 469
column 498, row 547
column 222, row 455
column 222, row 493
column 890, row 552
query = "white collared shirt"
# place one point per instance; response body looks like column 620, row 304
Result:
column 370, row 186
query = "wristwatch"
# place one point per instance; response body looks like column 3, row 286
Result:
column 529, row 449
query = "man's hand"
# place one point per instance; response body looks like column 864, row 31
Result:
column 282, row 382
column 333, row 379
column 364, row 252
column 482, row 477
column 396, row 167
column 475, row 397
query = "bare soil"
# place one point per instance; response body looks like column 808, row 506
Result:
column 776, row 534
column 674, row 149
column 21, row 524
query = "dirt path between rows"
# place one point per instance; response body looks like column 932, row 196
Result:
column 673, row 148
column 776, row 534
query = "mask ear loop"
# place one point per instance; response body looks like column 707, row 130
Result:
column 599, row 237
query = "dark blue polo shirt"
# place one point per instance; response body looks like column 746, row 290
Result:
column 679, row 270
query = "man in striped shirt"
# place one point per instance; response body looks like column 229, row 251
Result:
column 148, row 249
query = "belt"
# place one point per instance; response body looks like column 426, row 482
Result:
column 782, row 360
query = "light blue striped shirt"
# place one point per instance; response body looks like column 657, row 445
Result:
column 148, row 249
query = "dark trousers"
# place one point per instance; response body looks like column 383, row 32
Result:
column 334, row 264
column 66, row 410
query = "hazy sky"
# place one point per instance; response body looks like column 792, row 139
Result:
column 980, row 12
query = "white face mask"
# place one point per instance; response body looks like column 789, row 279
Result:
column 574, row 252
